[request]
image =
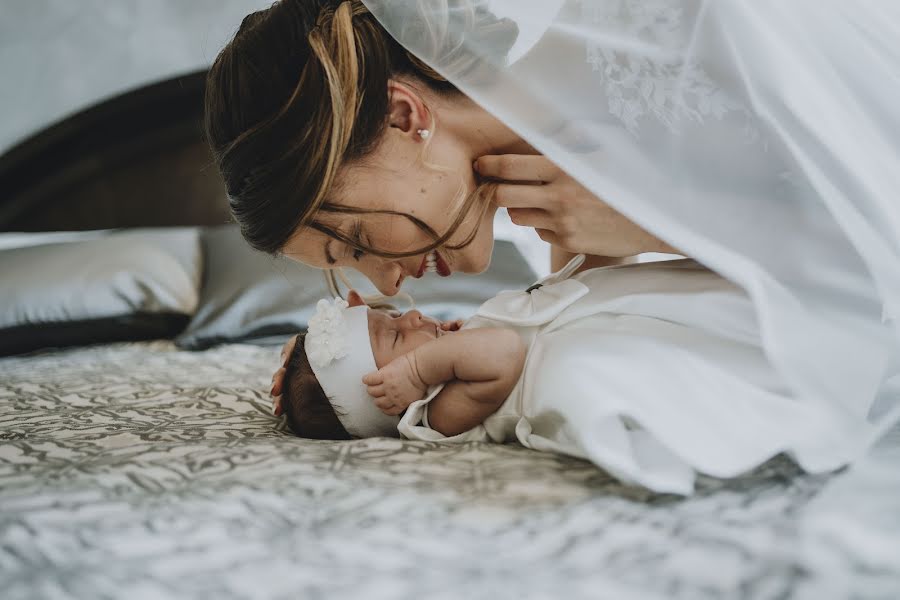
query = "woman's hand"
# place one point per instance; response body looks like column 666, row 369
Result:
column 278, row 376
column 396, row 385
column 564, row 213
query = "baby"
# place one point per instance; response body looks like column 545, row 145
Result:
column 401, row 357
column 655, row 372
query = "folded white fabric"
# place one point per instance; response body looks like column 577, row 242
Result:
column 655, row 372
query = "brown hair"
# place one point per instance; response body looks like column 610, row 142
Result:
column 309, row 412
column 299, row 91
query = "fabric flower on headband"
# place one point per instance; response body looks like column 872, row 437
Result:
column 326, row 337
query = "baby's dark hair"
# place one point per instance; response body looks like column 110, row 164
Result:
column 308, row 410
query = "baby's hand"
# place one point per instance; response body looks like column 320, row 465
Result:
column 452, row 325
column 396, row 385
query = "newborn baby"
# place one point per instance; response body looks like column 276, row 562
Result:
column 652, row 371
column 409, row 354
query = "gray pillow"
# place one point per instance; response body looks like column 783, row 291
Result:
column 97, row 287
column 248, row 296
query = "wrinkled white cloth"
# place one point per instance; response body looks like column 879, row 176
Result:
column 759, row 137
column 655, row 372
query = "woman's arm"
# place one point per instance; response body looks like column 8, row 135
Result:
column 560, row 258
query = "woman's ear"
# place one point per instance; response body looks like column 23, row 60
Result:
column 354, row 299
column 407, row 111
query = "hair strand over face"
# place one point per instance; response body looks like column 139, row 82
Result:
column 301, row 90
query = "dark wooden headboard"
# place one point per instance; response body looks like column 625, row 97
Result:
column 136, row 160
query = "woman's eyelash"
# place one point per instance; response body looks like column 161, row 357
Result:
column 357, row 253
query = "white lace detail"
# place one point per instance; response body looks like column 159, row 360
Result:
column 326, row 339
column 656, row 81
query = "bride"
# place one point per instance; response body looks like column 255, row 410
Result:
column 760, row 138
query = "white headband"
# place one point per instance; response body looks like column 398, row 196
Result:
column 340, row 353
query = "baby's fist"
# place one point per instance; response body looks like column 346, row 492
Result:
column 396, row 385
column 452, row 325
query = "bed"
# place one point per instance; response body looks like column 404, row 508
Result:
column 141, row 469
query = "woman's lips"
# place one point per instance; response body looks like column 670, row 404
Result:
column 421, row 270
column 440, row 264
column 442, row 268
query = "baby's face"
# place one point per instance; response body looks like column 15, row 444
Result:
column 394, row 336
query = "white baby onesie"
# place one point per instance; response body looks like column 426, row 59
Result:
column 652, row 371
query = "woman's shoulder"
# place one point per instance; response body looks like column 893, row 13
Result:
column 657, row 272
column 679, row 264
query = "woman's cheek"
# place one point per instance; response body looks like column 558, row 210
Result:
column 481, row 248
column 398, row 234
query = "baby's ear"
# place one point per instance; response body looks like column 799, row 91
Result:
column 354, row 299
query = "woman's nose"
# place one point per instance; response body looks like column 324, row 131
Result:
column 385, row 275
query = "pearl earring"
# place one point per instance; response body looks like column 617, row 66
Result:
column 423, row 133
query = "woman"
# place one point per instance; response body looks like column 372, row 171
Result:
column 339, row 147
column 386, row 172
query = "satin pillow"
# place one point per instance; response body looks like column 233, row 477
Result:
column 95, row 287
column 248, row 296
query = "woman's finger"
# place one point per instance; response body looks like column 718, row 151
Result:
column 277, row 382
column 287, row 350
column 517, row 167
column 277, row 408
column 548, row 236
column 531, row 217
column 376, row 391
column 523, row 195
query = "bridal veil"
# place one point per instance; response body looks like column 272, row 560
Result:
column 760, row 137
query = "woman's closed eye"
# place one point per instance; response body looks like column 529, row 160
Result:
column 356, row 253
column 357, row 236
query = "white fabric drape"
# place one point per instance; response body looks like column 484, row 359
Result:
column 760, row 137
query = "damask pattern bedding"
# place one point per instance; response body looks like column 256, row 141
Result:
column 143, row 471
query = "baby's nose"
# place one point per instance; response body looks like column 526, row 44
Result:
column 412, row 318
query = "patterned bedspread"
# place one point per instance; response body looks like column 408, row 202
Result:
column 141, row 471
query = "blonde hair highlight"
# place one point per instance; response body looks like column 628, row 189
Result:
column 342, row 76
column 283, row 118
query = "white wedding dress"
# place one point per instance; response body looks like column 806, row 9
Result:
column 655, row 372
column 759, row 137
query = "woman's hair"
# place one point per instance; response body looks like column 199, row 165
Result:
column 309, row 412
column 301, row 90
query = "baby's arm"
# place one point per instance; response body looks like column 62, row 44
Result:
column 481, row 366
column 482, row 369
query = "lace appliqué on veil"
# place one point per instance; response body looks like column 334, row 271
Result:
column 650, row 76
